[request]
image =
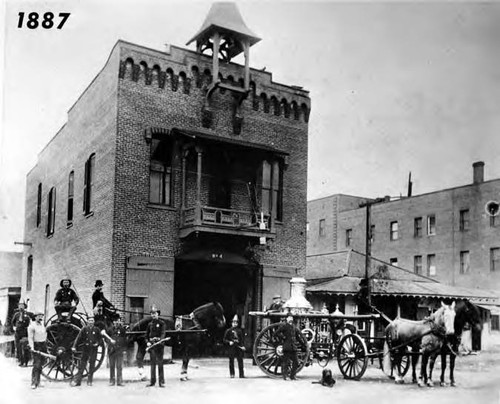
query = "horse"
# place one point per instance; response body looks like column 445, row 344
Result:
column 426, row 336
column 209, row 316
column 466, row 313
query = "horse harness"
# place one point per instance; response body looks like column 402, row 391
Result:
column 184, row 320
column 435, row 329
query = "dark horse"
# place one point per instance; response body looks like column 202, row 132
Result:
column 208, row 317
column 466, row 313
column 425, row 336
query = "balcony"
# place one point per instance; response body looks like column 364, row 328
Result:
column 225, row 221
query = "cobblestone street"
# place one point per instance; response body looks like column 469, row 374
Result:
column 478, row 379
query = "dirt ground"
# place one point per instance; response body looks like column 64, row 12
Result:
column 478, row 378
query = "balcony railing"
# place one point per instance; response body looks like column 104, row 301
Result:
column 204, row 218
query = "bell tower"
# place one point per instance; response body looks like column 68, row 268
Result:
column 225, row 35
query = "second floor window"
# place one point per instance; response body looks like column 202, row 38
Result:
column 464, row 220
column 394, row 231
column 322, row 232
column 348, row 237
column 69, row 214
column 464, row 262
column 88, row 183
column 271, row 185
column 431, row 225
column 160, row 172
column 417, row 231
column 417, row 264
column 431, row 265
column 39, row 206
column 51, row 211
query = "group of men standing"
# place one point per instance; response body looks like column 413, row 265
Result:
column 103, row 323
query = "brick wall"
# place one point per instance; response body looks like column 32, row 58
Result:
column 83, row 250
column 148, row 231
column 448, row 241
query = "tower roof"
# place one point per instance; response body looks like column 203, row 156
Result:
column 224, row 17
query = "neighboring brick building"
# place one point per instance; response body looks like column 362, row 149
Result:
column 446, row 235
column 178, row 181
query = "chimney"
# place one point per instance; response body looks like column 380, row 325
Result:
column 478, row 172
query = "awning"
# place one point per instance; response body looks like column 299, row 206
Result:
column 207, row 135
column 388, row 287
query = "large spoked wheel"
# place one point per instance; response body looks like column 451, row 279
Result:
column 60, row 338
column 351, row 356
column 268, row 352
column 403, row 366
column 63, row 363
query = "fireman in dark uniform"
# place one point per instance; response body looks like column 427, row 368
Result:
column 65, row 297
column 233, row 338
column 275, row 307
column 89, row 338
column 290, row 337
column 117, row 337
column 20, row 322
column 98, row 296
column 154, row 333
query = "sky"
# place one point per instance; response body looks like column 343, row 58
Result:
column 395, row 86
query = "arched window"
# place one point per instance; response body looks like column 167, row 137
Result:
column 295, row 111
column 265, row 102
column 276, row 106
column 39, row 206
column 155, row 75
column 88, row 184
column 29, row 274
column 51, row 211
column 143, row 73
column 69, row 213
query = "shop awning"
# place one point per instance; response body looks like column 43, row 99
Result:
column 347, row 271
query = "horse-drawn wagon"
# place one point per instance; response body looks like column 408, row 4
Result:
column 327, row 336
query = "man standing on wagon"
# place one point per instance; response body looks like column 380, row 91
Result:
column 89, row 338
column 98, row 296
column 64, row 299
column 154, row 334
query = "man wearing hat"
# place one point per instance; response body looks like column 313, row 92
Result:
column 37, row 340
column 88, row 340
column 98, row 296
column 275, row 307
column 65, row 297
column 290, row 337
column 233, row 339
column 20, row 322
column 116, row 335
column 154, row 333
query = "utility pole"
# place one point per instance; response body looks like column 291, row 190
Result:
column 368, row 244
